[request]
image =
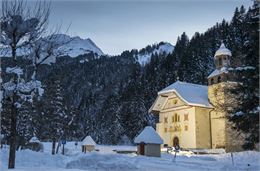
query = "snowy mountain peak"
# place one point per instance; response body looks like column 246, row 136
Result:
column 67, row 46
column 144, row 55
column 75, row 46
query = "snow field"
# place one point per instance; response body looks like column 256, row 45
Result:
column 107, row 159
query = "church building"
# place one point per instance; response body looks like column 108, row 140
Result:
column 187, row 112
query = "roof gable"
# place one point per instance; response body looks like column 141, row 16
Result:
column 148, row 136
column 34, row 140
column 192, row 94
column 173, row 102
column 88, row 141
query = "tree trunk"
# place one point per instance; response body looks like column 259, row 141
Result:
column 11, row 163
column 58, row 147
column 53, row 146
column 12, row 150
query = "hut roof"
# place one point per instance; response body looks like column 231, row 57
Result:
column 149, row 136
column 34, row 140
column 88, row 141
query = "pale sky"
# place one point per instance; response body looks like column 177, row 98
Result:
column 116, row 25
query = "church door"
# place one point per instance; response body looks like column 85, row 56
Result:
column 176, row 144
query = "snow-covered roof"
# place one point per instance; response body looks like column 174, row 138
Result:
column 218, row 72
column 34, row 140
column 223, row 51
column 148, row 136
column 226, row 70
column 192, row 94
column 88, row 141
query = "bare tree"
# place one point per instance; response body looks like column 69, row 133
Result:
column 22, row 30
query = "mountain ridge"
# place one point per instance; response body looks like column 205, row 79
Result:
column 75, row 46
column 67, row 46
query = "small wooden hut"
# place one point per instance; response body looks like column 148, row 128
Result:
column 88, row 144
column 34, row 144
column 149, row 142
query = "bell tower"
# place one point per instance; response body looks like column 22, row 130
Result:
column 222, row 57
column 219, row 81
column 222, row 63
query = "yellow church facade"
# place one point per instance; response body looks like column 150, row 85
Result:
column 181, row 118
column 189, row 115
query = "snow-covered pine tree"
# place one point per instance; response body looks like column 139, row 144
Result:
column 5, row 118
column 246, row 115
column 86, row 127
column 25, row 126
column 55, row 119
column 71, row 126
column 133, row 111
column 237, row 32
column 197, row 60
column 110, row 125
column 179, row 60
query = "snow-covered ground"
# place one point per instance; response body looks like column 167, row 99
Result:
column 107, row 159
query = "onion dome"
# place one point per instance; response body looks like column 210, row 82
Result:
column 223, row 51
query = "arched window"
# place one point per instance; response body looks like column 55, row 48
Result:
column 219, row 61
column 219, row 79
column 212, row 81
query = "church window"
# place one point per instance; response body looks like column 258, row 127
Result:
column 165, row 120
column 219, row 61
column 186, row 117
column 165, row 129
column 175, row 117
column 186, row 128
column 219, row 79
